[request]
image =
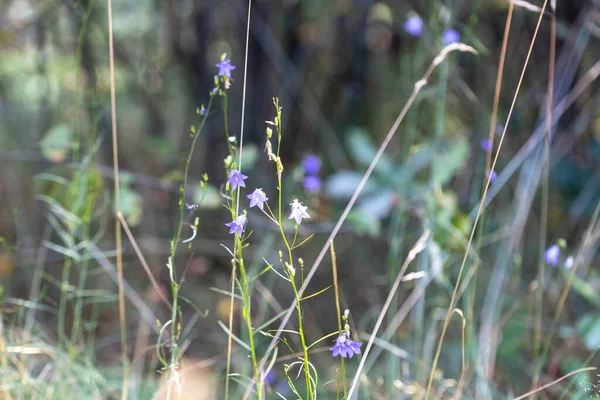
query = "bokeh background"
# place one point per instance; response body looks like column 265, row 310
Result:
column 342, row 71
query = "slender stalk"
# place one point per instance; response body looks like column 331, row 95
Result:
column 113, row 106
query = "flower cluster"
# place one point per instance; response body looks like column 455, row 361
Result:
column 344, row 346
column 258, row 198
column 414, row 26
column 552, row 255
column 311, row 165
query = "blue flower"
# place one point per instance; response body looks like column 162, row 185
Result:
column 258, row 198
column 203, row 111
column 225, row 68
column 450, row 36
column 311, row 164
column 237, row 225
column 414, row 26
column 345, row 347
column 298, row 211
column 486, row 144
column 312, row 183
column 492, row 175
column 236, row 178
column 552, row 254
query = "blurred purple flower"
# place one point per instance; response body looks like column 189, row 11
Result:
column 236, row 178
column 450, row 36
column 492, row 175
column 486, row 144
column 552, row 254
column 312, row 183
column 237, row 225
column 311, row 164
column 203, row 111
column 413, row 26
column 298, row 211
column 225, row 68
column 258, row 198
column 345, row 347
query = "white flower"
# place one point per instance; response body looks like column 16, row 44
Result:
column 298, row 211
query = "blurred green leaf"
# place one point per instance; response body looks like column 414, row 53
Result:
column 589, row 330
column 448, row 161
column 378, row 204
column 207, row 197
column 132, row 205
column 56, row 143
column 363, row 150
column 364, row 223
column 343, row 184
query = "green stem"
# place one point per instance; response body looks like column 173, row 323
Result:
column 177, row 238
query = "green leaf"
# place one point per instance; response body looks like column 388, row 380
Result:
column 207, row 197
column 363, row 150
column 343, row 184
column 378, row 204
column 364, row 224
column 132, row 205
column 589, row 330
column 56, row 143
column 448, row 161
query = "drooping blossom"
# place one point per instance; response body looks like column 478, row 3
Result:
column 236, row 178
column 237, row 225
column 492, row 175
column 345, row 347
column 258, row 198
column 298, row 211
column 225, row 68
column 413, row 26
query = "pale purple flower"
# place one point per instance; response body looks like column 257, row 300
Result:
column 413, row 26
column 258, row 198
column 569, row 262
column 492, row 175
column 345, row 347
column 552, row 254
column 450, row 36
column 237, row 225
column 225, row 68
column 312, row 183
column 486, row 144
column 298, row 211
column 203, row 111
column 311, row 164
column 236, row 178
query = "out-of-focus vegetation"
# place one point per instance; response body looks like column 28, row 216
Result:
column 342, row 71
